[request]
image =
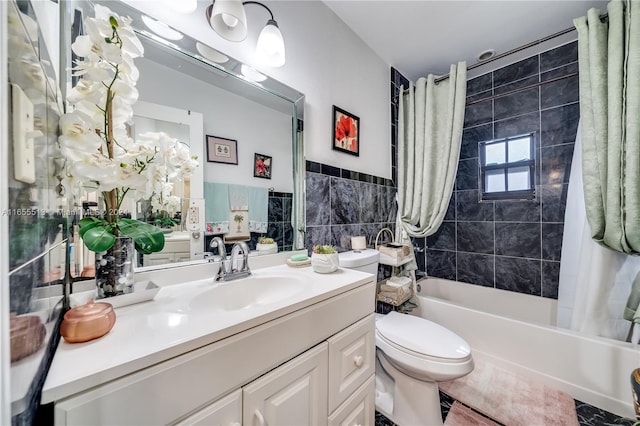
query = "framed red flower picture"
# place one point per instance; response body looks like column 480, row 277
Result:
column 262, row 166
column 345, row 132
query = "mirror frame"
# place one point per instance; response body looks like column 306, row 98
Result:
column 186, row 49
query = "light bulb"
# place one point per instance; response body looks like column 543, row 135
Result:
column 270, row 47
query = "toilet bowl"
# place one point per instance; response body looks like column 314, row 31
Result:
column 412, row 356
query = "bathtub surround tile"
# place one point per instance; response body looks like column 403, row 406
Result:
column 479, row 113
column 518, row 103
column 468, row 208
column 519, row 275
column 467, row 177
column 518, row 239
column 560, row 92
column 475, row 237
column 518, row 211
column 519, row 84
column 562, row 71
column 556, row 164
column 552, row 240
column 451, row 209
column 550, row 279
column 554, row 200
column 559, row 56
column 519, row 125
column 519, row 70
column 441, row 264
column 559, row 125
column 444, row 238
column 475, row 269
column 480, row 84
column 471, row 137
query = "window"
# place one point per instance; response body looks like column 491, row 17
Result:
column 507, row 168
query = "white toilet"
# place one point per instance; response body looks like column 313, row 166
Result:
column 412, row 356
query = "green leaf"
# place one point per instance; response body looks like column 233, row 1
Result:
column 148, row 238
column 87, row 223
column 99, row 238
column 113, row 22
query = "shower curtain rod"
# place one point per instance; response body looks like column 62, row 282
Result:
column 603, row 18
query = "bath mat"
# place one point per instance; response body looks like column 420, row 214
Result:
column 512, row 399
column 459, row 415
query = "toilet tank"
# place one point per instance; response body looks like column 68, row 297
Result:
column 363, row 260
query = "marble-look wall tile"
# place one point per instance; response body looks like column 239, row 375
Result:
column 451, row 209
column 559, row 56
column 479, row 113
column 345, row 201
column 517, row 71
column 475, row 237
column 552, row 240
column 518, row 103
column 317, row 235
column 519, row 125
column 441, row 264
column 479, row 84
column 469, row 208
column 560, row 92
column 518, row 239
column 519, row 84
column 341, row 235
column 556, row 164
column 559, row 125
column 550, row 279
column 467, row 177
column 563, row 71
column 519, row 275
column 554, row 201
column 518, row 211
column 276, row 213
column 471, row 137
column 444, row 238
column 318, row 202
column 476, row 269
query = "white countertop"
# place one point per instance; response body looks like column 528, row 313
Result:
column 151, row 332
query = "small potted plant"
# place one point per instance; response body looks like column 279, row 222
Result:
column 324, row 259
column 266, row 245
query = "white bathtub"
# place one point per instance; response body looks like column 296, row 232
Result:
column 518, row 332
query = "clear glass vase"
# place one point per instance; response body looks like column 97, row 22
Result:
column 114, row 268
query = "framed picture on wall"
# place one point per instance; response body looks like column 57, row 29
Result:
column 222, row 150
column 262, row 166
column 345, row 132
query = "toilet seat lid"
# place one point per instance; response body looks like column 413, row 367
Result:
column 422, row 336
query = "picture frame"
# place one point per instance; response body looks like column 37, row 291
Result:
column 345, row 132
column 262, row 166
column 222, row 150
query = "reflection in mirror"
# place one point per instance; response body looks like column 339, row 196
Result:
column 261, row 118
column 36, row 214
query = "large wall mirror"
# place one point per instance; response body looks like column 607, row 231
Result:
column 230, row 120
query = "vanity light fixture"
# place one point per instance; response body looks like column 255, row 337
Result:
column 229, row 19
column 161, row 29
column 252, row 74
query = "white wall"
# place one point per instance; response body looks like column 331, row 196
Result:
column 326, row 61
column 257, row 129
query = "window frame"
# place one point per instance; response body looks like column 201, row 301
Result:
column 523, row 194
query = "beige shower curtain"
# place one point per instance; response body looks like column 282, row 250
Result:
column 430, row 125
column 609, row 64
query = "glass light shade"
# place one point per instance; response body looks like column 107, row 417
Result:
column 252, row 74
column 229, row 19
column 270, row 47
column 161, row 29
column 211, row 54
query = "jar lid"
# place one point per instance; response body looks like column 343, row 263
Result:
column 88, row 311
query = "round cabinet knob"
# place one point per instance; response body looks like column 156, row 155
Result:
column 358, row 360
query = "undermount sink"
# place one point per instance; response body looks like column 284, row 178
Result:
column 249, row 292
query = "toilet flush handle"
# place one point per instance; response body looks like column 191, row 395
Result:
column 358, row 360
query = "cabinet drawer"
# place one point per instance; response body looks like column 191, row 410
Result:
column 226, row 411
column 359, row 408
column 351, row 359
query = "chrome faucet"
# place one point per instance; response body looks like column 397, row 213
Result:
column 242, row 270
column 216, row 242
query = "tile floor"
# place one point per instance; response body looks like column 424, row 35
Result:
column 588, row 415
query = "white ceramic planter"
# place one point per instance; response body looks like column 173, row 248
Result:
column 267, row 248
column 325, row 263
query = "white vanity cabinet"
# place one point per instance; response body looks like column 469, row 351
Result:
column 176, row 249
column 312, row 366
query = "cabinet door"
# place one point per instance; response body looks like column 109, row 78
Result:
column 351, row 359
column 226, row 411
column 293, row 394
column 359, row 409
